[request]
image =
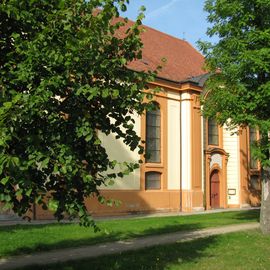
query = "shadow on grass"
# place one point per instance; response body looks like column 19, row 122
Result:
column 158, row 258
column 252, row 215
column 42, row 239
column 100, row 237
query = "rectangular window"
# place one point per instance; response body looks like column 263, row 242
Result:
column 152, row 180
column 212, row 132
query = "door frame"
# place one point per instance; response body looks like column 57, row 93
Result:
column 211, row 175
column 222, row 169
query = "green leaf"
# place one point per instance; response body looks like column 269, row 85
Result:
column 4, row 180
column 109, row 203
column 101, row 199
column 45, row 162
column 89, row 137
column 19, row 192
column 28, row 192
column 63, row 169
column 7, row 105
column 111, row 183
column 53, row 204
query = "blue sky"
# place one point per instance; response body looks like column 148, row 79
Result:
column 184, row 19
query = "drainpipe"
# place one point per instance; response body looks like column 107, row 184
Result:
column 180, row 149
column 205, row 162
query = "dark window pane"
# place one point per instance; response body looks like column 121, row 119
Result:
column 153, row 144
column 153, row 119
column 152, row 180
column 212, row 132
column 154, row 156
column 153, row 141
column 153, row 132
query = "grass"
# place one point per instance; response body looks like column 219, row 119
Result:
column 241, row 251
column 24, row 239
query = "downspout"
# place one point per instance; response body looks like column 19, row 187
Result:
column 205, row 163
column 180, row 149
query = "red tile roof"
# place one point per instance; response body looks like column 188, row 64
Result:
column 183, row 61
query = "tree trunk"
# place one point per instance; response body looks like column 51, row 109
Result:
column 265, row 202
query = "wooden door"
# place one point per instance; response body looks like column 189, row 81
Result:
column 215, row 190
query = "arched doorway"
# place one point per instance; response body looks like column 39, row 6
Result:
column 215, row 189
column 216, row 170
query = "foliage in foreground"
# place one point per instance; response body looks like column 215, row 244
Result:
column 63, row 80
column 239, row 88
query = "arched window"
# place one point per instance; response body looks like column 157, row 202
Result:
column 153, row 140
column 212, row 132
column 152, row 180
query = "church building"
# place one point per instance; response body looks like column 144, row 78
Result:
column 195, row 164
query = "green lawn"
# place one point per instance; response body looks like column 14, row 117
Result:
column 23, row 239
column 242, row 250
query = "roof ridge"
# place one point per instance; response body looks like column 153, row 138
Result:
column 159, row 31
column 174, row 37
column 184, row 60
column 165, row 34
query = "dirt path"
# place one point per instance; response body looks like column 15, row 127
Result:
column 62, row 255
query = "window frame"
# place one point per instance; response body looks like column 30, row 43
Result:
column 210, row 140
column 161, row 167
column 157, row 138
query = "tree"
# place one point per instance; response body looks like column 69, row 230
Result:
column 239, row 87
column 63, row 80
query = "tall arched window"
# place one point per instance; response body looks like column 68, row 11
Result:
column 212, row 132
column 153, row 138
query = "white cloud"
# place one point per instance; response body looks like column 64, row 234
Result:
column 159, row 11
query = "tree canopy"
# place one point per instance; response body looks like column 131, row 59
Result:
column 239, row 87
column 242, row 88
column 63, row 79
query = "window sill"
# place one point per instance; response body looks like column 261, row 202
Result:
column 152, row 190
column 154, row 165
column 213, row 146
